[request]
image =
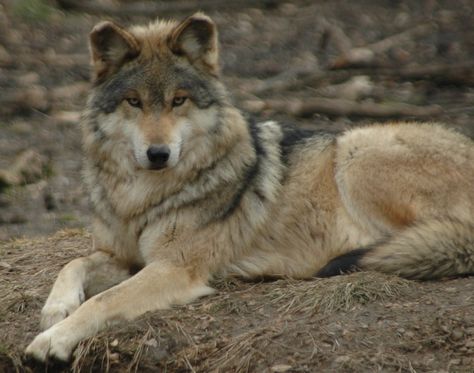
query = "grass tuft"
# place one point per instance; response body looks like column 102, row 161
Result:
column 339, row 293
column 33, row 10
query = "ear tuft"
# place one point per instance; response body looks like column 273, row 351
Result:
column 196, row 38
column 111, row 46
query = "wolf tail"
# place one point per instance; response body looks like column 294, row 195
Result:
column 428, row 250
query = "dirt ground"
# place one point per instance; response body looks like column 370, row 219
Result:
column 365, row 322
column 415, row 61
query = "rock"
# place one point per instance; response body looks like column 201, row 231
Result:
column 469, row 344
column 5, row 265
column 457, row 334
column 280, row 368
column 343, row 359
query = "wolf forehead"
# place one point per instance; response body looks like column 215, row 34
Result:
column 146, row 60
column 156, row 83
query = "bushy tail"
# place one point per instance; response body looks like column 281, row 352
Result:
column 428, row 250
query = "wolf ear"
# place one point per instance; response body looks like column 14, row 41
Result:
column 111, row 46
column 196, row 38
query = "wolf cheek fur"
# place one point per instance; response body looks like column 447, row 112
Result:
column 239, row 198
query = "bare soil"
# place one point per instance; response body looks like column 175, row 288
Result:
column 364, row 322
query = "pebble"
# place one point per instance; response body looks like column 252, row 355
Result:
column 469, row 344
column 457, row 334
column 280, row 368
column 342, row 359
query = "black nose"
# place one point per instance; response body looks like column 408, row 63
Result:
column 158, row 155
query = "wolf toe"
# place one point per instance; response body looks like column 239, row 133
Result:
column 46, row 346
column 53, row 314
column 56, row 311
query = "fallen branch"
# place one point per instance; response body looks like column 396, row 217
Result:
column 354, row 89
column 457, row 73
column 461, row 73
column 34, row 97
column 281, row 82
column 342, row 107
column 366, row 55
column 153, row 8
column 70, row 91
column 38, row 97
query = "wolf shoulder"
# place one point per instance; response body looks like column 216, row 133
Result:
column 405, row 143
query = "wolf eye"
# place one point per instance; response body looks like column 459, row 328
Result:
column 179, row 100
column 134, row 101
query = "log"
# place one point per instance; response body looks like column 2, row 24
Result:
column 461, row 73
column 363, row 56
column 342, row 107
column 34, row 97
column 154, row 8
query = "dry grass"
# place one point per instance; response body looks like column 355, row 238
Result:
column 337, row 294
column 342, row 324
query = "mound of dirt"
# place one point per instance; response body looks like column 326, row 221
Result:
column 364, row 322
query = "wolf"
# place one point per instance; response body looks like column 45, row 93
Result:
column 185, row 188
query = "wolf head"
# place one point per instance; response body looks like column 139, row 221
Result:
column 156, row 87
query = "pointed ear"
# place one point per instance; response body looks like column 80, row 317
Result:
column 111, row 46
column 196, row 38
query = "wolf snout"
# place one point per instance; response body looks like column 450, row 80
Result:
column 158, row 156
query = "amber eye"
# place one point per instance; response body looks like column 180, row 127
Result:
column 179, row 100
column 134, row 101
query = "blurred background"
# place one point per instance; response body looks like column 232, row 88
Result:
column 327, row 64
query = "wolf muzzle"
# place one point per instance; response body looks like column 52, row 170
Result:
column 158, row 156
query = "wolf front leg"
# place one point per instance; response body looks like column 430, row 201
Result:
column 80, row 278
column 157, row 286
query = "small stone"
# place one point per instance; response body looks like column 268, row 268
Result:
column 469, row 344
column 5, row 265
column 280, row 368
column 457, row 334
column 342, row 359
column 470, row 331
column 454, row 362
column 151, row 342
column 114, row 343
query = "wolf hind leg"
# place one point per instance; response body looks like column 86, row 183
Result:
column 429, row 249
column 80, row 278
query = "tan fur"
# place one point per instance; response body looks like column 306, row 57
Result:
column 231, row 205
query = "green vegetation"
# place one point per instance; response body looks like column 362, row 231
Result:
column 33, row 10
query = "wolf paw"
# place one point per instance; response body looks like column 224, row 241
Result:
column 54, row 312
column 46, row 346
